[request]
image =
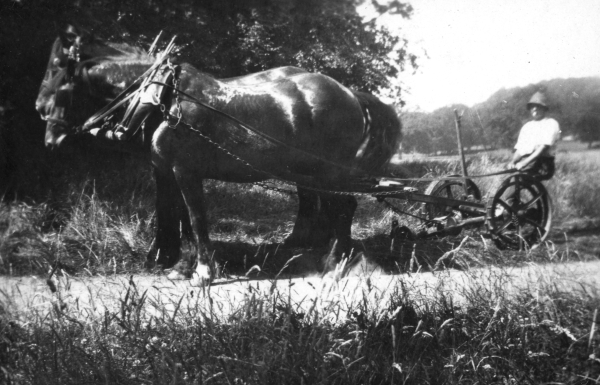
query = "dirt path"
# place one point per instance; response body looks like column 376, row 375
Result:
column 27, row 296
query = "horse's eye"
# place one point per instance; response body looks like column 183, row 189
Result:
column 71, row 37
column 56, row 61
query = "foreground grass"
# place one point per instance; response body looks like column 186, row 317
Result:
column 480, row 333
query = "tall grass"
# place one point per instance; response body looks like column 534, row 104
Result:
column 104, row 224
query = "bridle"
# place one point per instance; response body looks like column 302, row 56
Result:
column 75, row 72
column 143, row 96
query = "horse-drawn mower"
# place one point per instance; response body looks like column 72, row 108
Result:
column 518, row 215
column 285, row 124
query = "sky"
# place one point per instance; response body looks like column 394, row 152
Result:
column 471, row 48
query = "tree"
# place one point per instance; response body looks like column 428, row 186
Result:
column 503, row 131
column 588, row 128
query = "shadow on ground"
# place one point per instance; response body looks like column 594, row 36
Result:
column 373, row 255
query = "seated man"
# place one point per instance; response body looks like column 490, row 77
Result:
column 535, row 148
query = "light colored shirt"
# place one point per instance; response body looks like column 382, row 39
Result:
column 536, row 132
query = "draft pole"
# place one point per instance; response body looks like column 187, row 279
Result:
column 457, row 119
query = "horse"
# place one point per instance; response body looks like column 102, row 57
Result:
column 328, row 133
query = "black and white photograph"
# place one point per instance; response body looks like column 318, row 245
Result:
column 300, row 192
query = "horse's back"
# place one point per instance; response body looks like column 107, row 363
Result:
column 271, row 75
column 308, row 111
column 313, row 96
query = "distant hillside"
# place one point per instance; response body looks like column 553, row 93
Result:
column 495, row 123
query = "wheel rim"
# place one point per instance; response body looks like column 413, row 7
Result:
column 519, row 215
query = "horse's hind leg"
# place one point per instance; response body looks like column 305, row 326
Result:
column 321, row 218
column 169, row 206
column 312, row 227
column 340, row 211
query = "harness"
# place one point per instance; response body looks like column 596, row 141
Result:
column 159, row 87
column 152, row 94
column 134, row 92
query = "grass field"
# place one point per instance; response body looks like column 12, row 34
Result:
column 105, row 226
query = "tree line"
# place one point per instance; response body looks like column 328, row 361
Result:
column 496, row 122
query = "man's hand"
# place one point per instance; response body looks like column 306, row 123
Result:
column 520, row 165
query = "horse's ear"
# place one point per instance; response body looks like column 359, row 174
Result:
column 68, row 34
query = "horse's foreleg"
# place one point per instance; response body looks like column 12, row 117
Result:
column 165, row 247
column 193, row 194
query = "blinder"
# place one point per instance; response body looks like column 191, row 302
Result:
column 63, row 101
column 151, row 95
column 62, row 108
column 63, row 94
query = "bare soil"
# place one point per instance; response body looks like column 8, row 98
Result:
column 94, row 295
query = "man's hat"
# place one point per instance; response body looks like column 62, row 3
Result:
column 538, row 99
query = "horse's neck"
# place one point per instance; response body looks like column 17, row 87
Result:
column 117, row 51
column 201, row 85
column 116, row 65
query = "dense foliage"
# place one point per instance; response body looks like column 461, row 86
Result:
column 222, row 37
column 496, row 122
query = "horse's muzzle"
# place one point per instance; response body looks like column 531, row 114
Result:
column 55, row 135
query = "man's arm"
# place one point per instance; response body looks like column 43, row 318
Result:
column 516, row 157
column 521, row 164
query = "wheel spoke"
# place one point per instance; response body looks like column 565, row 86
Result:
column 505, row 226
column 449, row 191
column 507, row 206
column 533, row 223
column 533, row 201
column 516, row 201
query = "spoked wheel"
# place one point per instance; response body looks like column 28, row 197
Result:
column 520, row 214
column 454, row 189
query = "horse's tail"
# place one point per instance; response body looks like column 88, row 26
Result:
column 381, row 136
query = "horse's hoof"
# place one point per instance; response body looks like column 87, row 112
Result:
column 294, row 242
column 150, row 264
column 201, row 277
column 176, row 276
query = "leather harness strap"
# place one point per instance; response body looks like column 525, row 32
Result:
column 129, row 92
column 142, row 103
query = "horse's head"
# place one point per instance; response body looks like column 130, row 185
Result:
column 56, row 89
column 83, row 74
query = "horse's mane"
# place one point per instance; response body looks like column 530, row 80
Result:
column 119, row 53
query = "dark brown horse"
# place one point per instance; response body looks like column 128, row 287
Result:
column 329, row 132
